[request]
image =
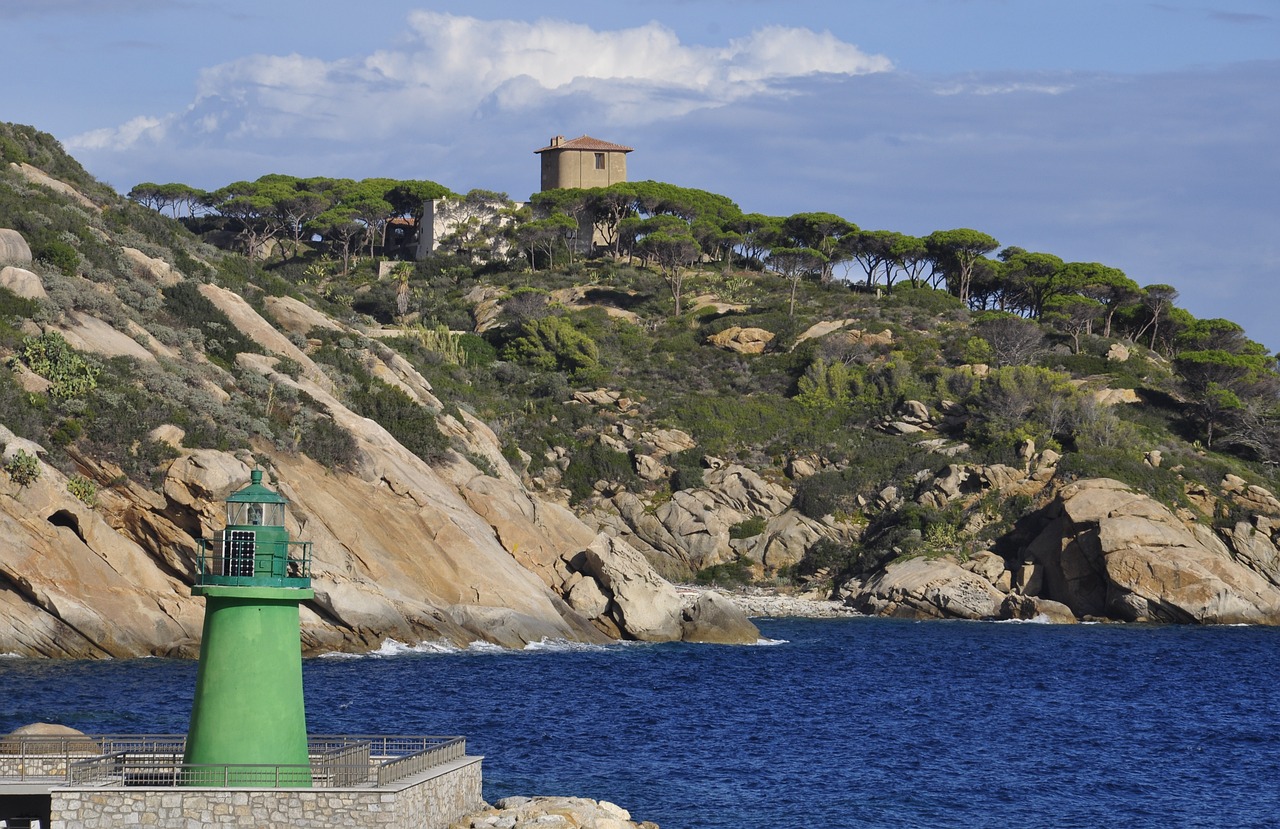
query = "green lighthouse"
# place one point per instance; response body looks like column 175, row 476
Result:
column 248, row 708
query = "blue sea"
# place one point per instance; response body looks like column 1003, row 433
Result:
column 826, row 723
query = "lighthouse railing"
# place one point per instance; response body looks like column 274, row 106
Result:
column 253, row 562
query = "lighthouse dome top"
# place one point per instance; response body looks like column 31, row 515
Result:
column 256, row 493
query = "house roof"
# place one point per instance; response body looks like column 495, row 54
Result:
column 583, row 142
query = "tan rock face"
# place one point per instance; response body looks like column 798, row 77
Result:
column 822, row 329
column 1113, row 552
column 70, row 585
column 922, row 588
column 86, row 333
column 714, row 618
column 156, row 270
column 14, row 247
column 645, row 606
column 297, row 317
column 22, row 282
column 401, row 548
column 742, row 340
column 37, row 176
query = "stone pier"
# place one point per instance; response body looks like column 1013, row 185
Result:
column 432, row 799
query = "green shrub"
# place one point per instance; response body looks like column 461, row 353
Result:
column 479, row 352
column 1019, row 402
column 554, row 344
column 875, row 461
column 596, row 462
column 67, row 432
column 23, row 468
column 729, row 574
column 824, row 385
column 59, row 254
column 71, row 374
column 83, row 488
column 832, row 492
column 688, row 472
column 722, row 424
column 13, row 306
column 222, row 340
column 749, row 528
column 826, row 554
column 11, row 152
column 411, row 424
column 328, row 444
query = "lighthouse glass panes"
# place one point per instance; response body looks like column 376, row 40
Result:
column 254, row 514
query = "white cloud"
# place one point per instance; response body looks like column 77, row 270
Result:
column 970, row 87
column 127, row 136
column 449, row 67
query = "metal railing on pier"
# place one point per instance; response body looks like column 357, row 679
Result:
column 341, row 761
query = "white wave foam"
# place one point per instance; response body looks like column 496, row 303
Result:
column 480, row 646
column 761, row 643
column 566, row 645
column 394, row 647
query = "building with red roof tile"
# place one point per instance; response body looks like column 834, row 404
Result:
column 582, row 162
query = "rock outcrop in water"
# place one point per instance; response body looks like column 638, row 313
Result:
column 1102, row 551
column 1110, row 552
column 545, row 812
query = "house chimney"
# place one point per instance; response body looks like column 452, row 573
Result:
column 557, row 141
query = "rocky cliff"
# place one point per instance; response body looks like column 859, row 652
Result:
column 403, row 548
column 615, row 449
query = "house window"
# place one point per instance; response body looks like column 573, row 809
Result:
column 599, row 161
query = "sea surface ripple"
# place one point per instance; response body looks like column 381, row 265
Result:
column 840, row 723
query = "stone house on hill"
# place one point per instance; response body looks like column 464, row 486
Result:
column 582, row 162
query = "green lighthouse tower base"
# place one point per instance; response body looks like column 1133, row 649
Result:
column 248, row 720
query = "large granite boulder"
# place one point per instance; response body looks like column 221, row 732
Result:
column 716, row 619
column 742, row 340
column 920, row 588
column 22, row 282
column 551, row 813
column 1109, row 551
column 643, row 605
column 1035, row 609
column 13, row 247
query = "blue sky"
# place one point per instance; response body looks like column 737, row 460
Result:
column 1141, row 135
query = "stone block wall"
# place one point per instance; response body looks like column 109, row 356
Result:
column 431, row 800
column 20, row 767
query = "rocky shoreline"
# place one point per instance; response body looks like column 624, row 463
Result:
column 758, row 602
column 551, row 813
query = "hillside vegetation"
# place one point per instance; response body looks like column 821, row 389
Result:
column 821, row 399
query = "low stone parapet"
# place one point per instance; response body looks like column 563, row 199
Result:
column 431, row 800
